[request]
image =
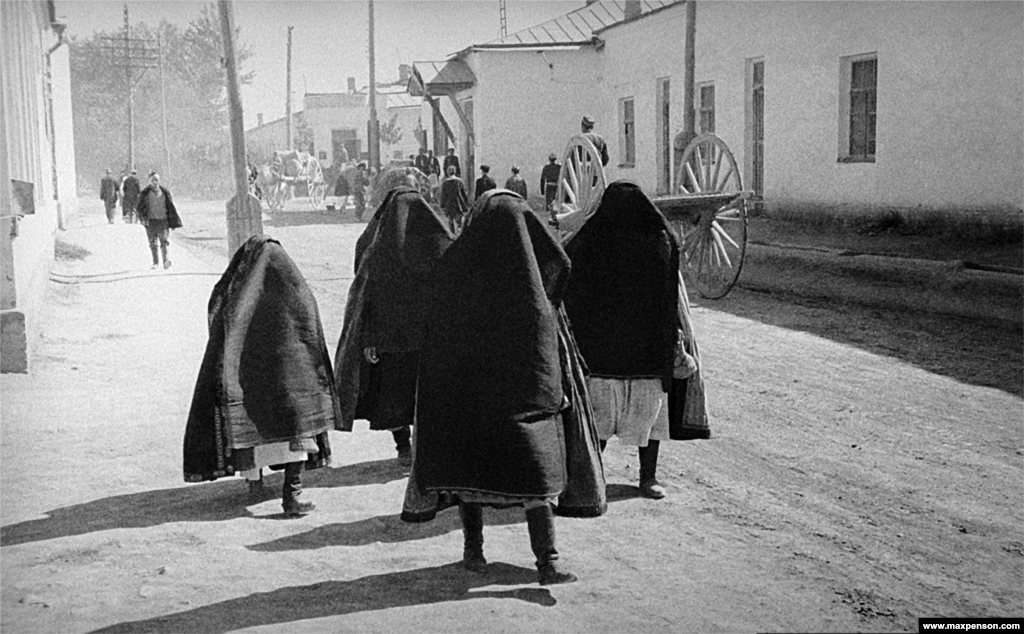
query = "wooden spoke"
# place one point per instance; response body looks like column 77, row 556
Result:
column 715, row 244
column 581, row 183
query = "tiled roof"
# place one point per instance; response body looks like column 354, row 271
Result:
column 575, row 27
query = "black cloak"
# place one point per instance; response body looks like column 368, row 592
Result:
column 386, row 308
column 626, row 304
column 266, row 376
column 490, row 383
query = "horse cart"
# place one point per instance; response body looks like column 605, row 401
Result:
column 706, row 206
column 288, row 169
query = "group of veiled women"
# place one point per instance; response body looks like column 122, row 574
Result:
column 502, row 361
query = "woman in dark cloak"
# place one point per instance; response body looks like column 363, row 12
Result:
column 378, row 351
column 628, row 307
column 265, row 393
column 498, row 371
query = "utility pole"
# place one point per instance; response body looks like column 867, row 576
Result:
column 131, row 53
column 374, row 132
column 501, row 13
column 689, row 62
column 288, row 100
column 163, row 109
column 244, row 216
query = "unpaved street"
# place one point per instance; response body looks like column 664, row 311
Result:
column 866, row 469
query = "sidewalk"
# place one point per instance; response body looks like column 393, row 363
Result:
column 976, row 280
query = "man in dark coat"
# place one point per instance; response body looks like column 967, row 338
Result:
column 108, row 194
column 485, row 183
column 549, row 180
column 454, row 199
column 157, row 212
column 129, row 196
column 492, row 388
column 516, row 183
column 265, row 392
column 422, row 163
column 587, row 129
column 629, row 312
column 450, row 160
column 435, row 166
column 378, row 351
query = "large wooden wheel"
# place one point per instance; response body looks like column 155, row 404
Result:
column 715, row 240
column 315, row 185
column 581, row 184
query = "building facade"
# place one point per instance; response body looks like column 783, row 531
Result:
column 828, row 107
column 37, row 167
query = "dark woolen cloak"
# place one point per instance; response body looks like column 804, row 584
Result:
column 490, row 383
column 266, row 376
column 623, row 297
column 386, row 307
column 624, row 300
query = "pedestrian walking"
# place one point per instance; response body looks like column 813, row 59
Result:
column 549, row 180
column 130, row 188
column 422, row 162
column 516, row 183
column 362, row 181
column 450, row 160
column 157, row 212
column 108, row 194
column 343, row 186
column 378, row 351
column 630, row 314
column 454, row 200
column 587, row 130
column 492, row 380
column 485, row 183
column 265, row 393
column 435, row 167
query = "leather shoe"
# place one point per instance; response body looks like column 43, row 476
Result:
column 298, row 509
column 652, row 489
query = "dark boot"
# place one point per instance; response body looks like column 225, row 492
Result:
column 403, row 444
column 649, row 485
column 293, row 489
column 473, row 533
column 540, row 521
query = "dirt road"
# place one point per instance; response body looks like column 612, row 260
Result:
column 866, row 470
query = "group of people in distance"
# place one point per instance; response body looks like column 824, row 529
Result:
column 501, row 360
column 152, row 206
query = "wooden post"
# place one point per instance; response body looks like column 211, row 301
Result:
column 689, row 62
column 288, row 99
column 163, row 109
column 374, row 132
column 245, row 219
column 128, row 83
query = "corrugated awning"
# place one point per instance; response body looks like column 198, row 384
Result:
column 441, row 78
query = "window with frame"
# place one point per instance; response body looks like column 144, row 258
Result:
column 707, row 108
column 859, row 84
column 627, row 135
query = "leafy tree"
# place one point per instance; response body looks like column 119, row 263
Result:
column 195, row 91
column 390, row 133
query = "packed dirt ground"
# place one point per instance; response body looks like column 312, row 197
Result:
column 865, row 468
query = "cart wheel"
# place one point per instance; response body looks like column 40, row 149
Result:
column 315, row 184
column 581, row 184
column 713, row 243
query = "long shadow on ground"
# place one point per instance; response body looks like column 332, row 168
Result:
column 390, row 529
column 438, row 584
column 967, row 350
column 208, row 502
